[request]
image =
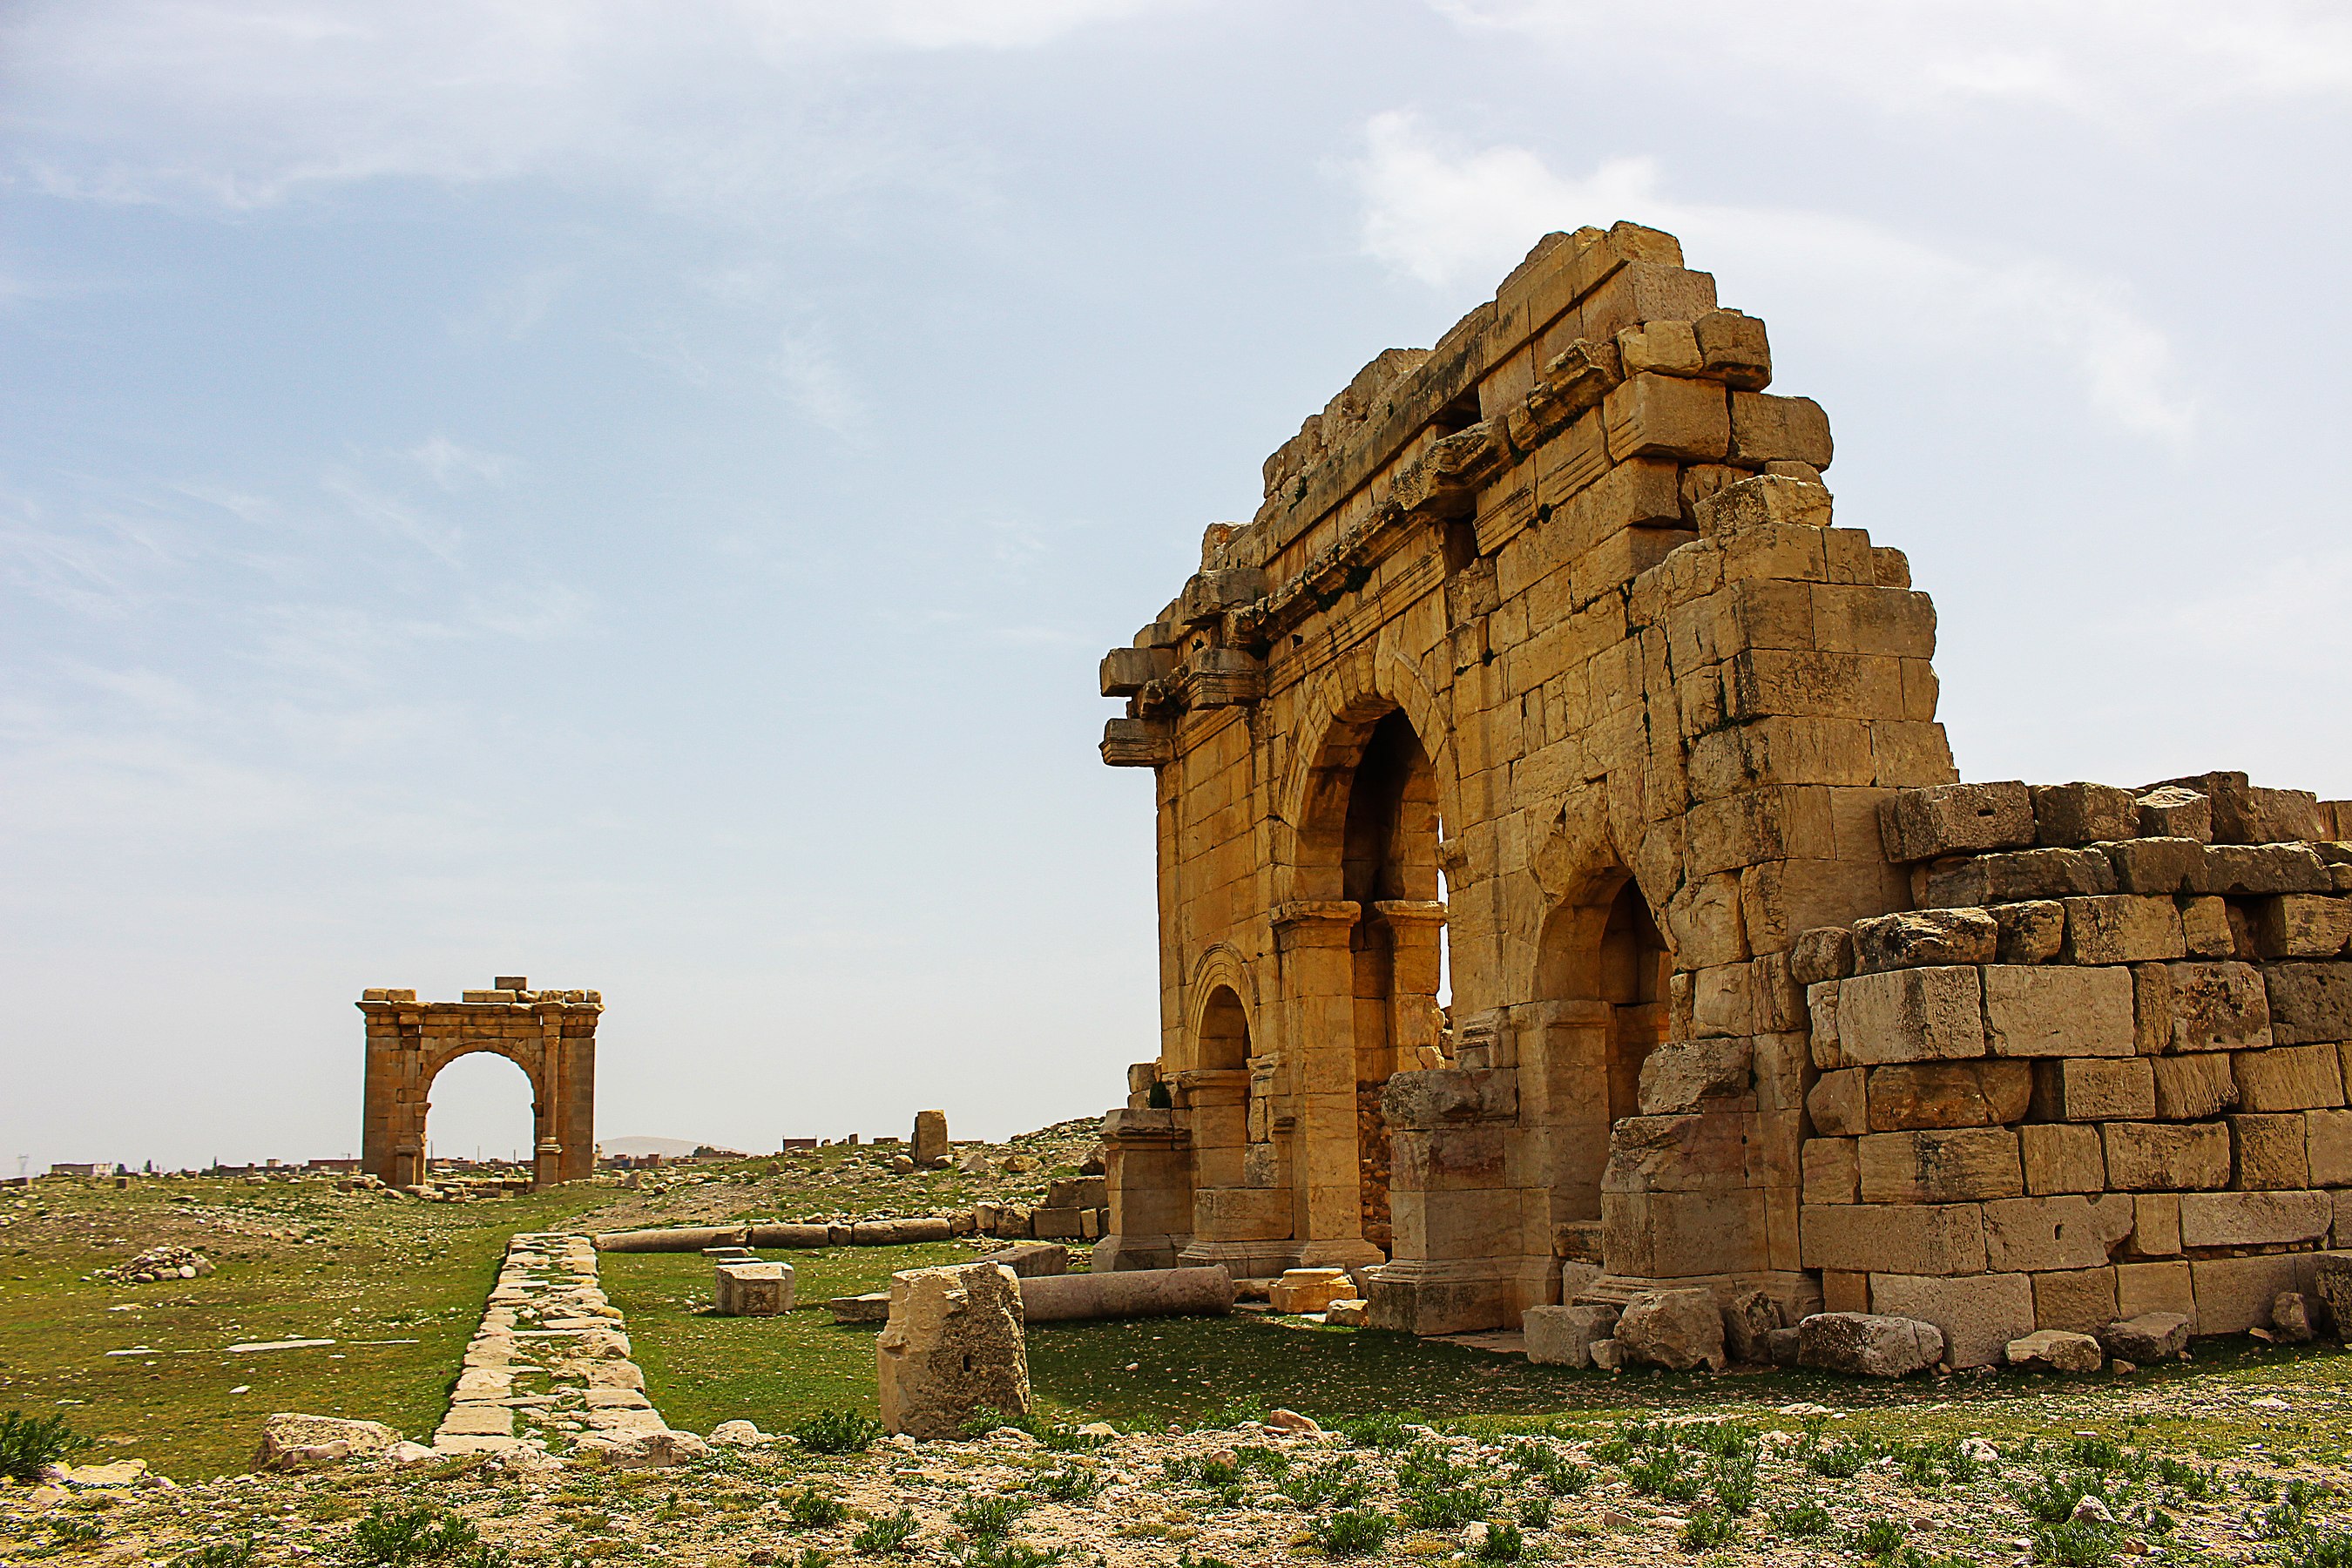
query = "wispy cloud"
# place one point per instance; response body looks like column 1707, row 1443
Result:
column 1451, row 216
column 453, row 465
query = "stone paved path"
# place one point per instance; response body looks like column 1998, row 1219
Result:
column 550, row 1368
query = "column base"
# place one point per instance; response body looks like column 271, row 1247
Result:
column 1242, row 1259
column 1114, row 1254
column 1458, row 1295
column 1357, row 1254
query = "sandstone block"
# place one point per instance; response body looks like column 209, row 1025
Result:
column 2289, row 1077
column 2188, row 1088
column 1910, row 1015
column 2052, row 1350
column 752, row 1289
column 2058, row 1011
column 2095, row 1089
column 2254, row 1219
column 2156, row 1225
column 2166, row 1156
column 2234, row 1294
column 2061, row 1157
column 2174, row 812
column 2269, row 1152
column 2242, row 871
column 2206, row 1006
column 1679, row 1074
column 2205, row 929
column 2037, row 1235
column 1868, row 1344
column 1906, row 1238
column 1309, row 1289
column 1678, row 1330
column 1951, row 819
column 1823, row 952
column 1670, row 348
column 1765, row 428
column 291, row 1442
column 954, row 1342
column 1732, row 348
column 2308, row 1001
column 2031, row 933
column 2070, row 815
column 1939, row 1166
column 1563, row 1336
column 2015, row 875
column 1832, row 1171
column 2122, row 928
column 1915, row 939
column 2075, row 1300
column 1908, row 1096
column 2327, row 1147
column 2143, row 1287
column 2147, row 1338
column 2157, row 867
column 1837, row 1105
column 1652, row 415
column 1976, row 1314
column 2302, row 925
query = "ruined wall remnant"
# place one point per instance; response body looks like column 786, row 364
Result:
column 1545, row 652
column 551, row 1034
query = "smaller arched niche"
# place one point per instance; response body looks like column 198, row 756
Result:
column 1224, row 1043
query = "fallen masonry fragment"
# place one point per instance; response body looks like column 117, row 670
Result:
column 953, row 1345
column 548, row 1320
column 1544, row 648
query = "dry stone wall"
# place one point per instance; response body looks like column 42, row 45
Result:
column 2100, row 1070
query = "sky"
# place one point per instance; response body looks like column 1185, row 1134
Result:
column 633, row 495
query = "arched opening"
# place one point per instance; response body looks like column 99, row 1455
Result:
column 1224, row 1033
column 1603, row 970
column 481, row 1110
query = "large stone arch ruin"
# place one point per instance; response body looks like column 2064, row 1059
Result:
column 551, row 1034
column 1545, row 638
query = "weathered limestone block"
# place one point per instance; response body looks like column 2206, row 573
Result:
column 2206, row 1007
column 2052, row 1350
column 754, row 1290
column 2070, row 815
column 1732, row 348
column 1749, row 1319
column 2302, row 925
column 1951, row 819
column 1821, row 1013
column 2145, row 1288
column 2156, row 1225
column 1911, row 1014
column 931, row 1139
column 2290, row 1318
column 1978, row 1314
column 1823, row 952
column 2055, row 1011
column 1837, row 1103
column 954, row 1344
column 2242, row 871
column 2122, row 928
column 1767, row 430
column 2254, row 1219
column 1904, row 1238
column 2269, row 1153
column 1564, row 1336
column 2332, row 1280
column 2166, row 1156
column 2030, row 931
column 1832, row 1174
column 1868, row 1344
column 2234, row 1294
column 2289, row 1077
column 2061, row 1157
column 1914, row 1095
column 1678, row 1075
column 2174, row 812
column 295, row 1442
column 1309, row 1289
column 1916, row 938
column 2095, row 1089
column 2075, row 1300
column 2072, row 1232
column 1679, row 1329
column 2017, row 874
column 2157, row 867
column 2327, row 1147
column 1676, row 1154
column 2205, row 929
column 1668, row 1235
column 2150, row 1337
column 2307, row 1001
column 1940, row 1166
column 2190, row 1087
column 1655, row 416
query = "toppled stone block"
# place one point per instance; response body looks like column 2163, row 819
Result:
column 1309, row 1289
column 954, row 1342
column 2055, row 1350
column 2290, row 1318
column 1782, row 1346
column 1955, row 819
column 1747, row 1320
column 1564, row 1336
column 1867, row 1344
column 1915, row 939
column 754, row 1290
column 873, row 1307
column 1608, row 1356
column 2150, row 1336
column 1355, row 1312
column 290, row 1441
column 1679, row 1329
column 2068, row 816
column 657, row 1450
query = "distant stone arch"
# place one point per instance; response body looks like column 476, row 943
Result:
column 551, row 1034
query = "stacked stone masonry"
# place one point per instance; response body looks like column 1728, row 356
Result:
column 1545, row 645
